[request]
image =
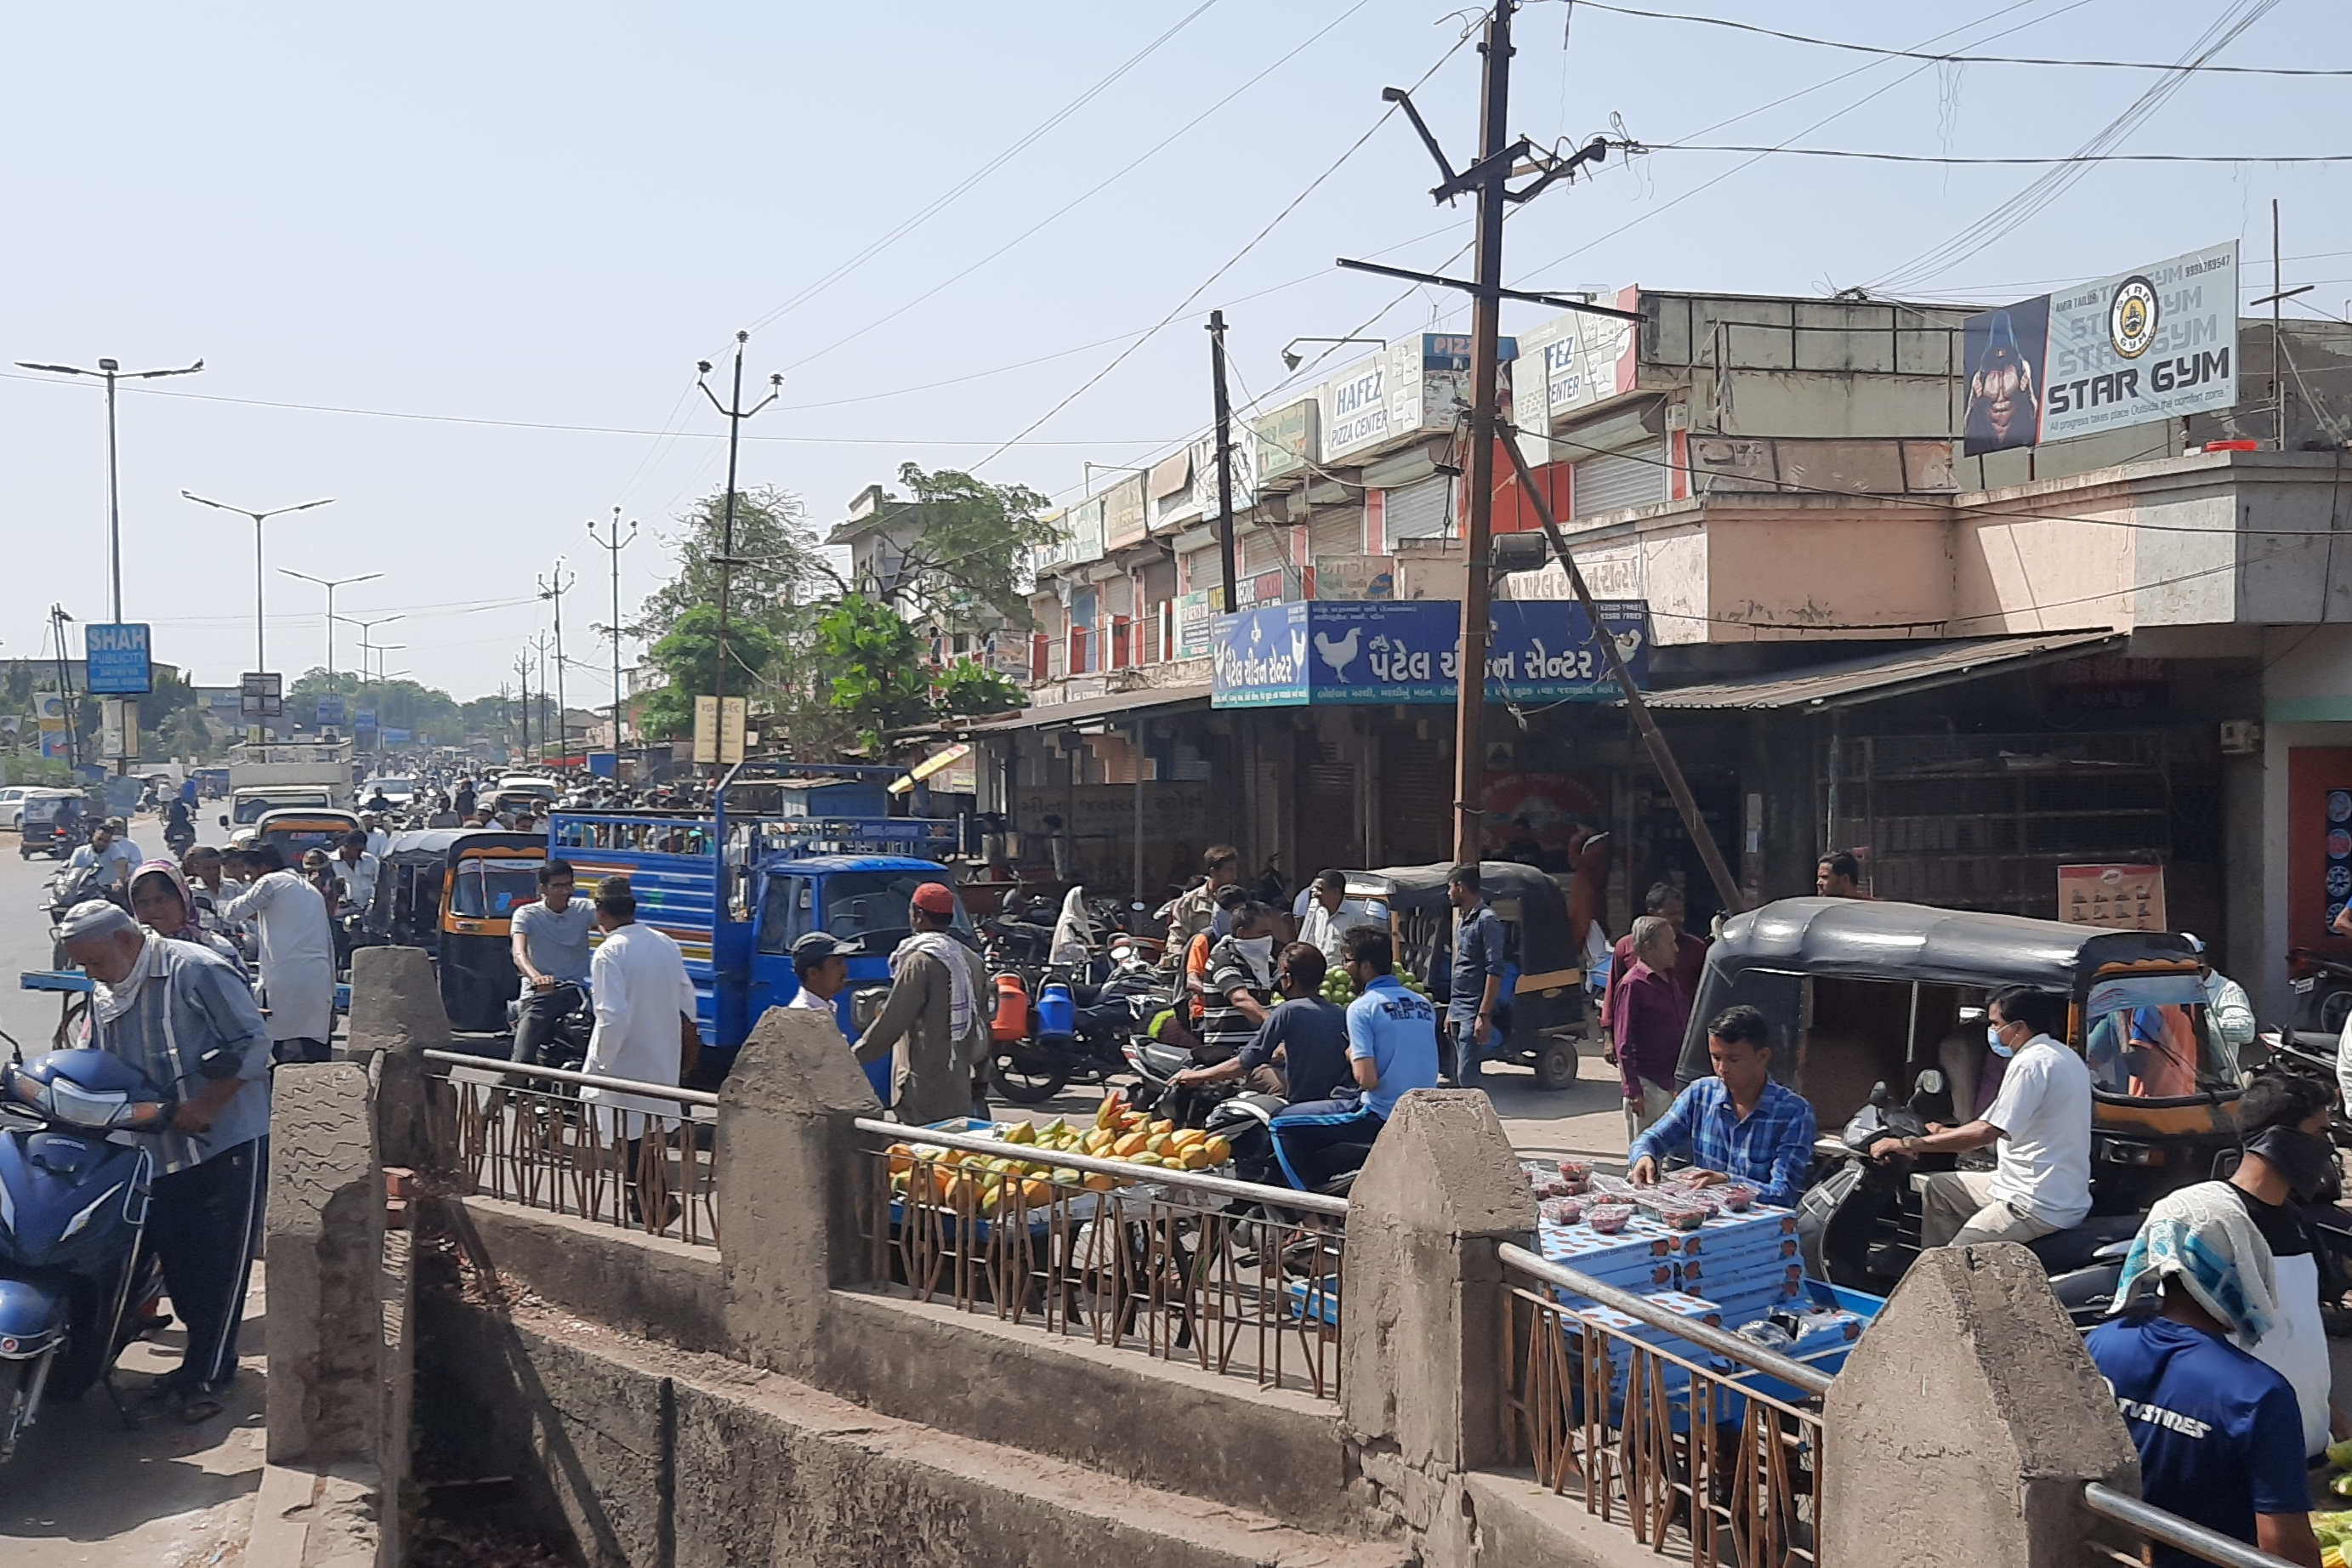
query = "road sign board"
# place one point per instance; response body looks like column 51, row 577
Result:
column 261, row 694
column 116, row 658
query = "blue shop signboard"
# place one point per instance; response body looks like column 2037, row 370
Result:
column 116, row 655
column 1325, row 652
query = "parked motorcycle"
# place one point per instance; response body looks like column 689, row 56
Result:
column 74, row 1290
column 1246, row 1121
column 2323, row 989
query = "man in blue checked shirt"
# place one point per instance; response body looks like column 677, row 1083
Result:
column 1739, row 1126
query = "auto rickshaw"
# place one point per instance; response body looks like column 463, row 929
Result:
column 56, row 823
column 1543, row 990
column 1860, row 994
column 453, row 891
column 297, row 829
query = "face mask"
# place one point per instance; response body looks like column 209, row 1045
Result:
column 1992, row 1038
column 2305, row 1158
column 1259, row 951
column 1221, row 924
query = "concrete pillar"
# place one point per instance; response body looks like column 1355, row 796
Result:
column 325, row 1228
column 1423, row 1380
column 396, row 1015
column 1965, row 1424
column 795, row 1190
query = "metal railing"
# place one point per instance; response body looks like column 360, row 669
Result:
column 1236, row 1277
column 2150, row 1522
column 610, row 1150
column 1707, row 1446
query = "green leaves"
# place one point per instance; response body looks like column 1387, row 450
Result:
column 876, row 668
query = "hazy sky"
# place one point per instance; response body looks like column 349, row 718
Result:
column 491, row 219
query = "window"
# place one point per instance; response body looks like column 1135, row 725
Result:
column 785, row 910
column 493, row 889
column 873, row 906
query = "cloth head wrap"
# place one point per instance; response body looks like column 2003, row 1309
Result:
column 2202, row 1237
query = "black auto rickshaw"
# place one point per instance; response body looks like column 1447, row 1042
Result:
column 453, row 891
column 1860, row 994
column 1543, row 991
column 298, row 829
column 56, row 823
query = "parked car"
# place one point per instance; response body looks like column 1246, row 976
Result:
column 12, row 806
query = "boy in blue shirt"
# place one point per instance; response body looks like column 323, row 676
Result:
column 1391, row 1047
column 2220, row 1435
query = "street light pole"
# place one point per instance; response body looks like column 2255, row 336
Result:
column 553, row 588
column 736, row 414
column 331, row 585
column 112, row 371
column 612, row 546
column 260, row 660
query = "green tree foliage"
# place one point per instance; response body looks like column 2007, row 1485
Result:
column 965, row 548
column 967, row 689
column 397, row 704
column 875, row 666
column 779, row 567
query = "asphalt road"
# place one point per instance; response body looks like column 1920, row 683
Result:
column 82, row 1491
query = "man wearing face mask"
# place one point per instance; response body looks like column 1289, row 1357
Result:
column 1241, row 978
column 2040, row 1181
column 2289, row 1162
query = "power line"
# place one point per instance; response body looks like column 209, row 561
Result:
column 1963, row 59
column 1231, row 262
column 941, row 202
column 2071, row 158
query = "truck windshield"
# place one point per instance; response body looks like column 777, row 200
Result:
column 493, row 889
column 859, row 905
column 250, row 808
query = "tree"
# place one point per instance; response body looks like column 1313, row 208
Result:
column 965, row 548
column 969, row 689
column 688, row 655
column 874, row 664
column 777, row 563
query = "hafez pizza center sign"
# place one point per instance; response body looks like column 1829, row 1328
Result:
column 1321, row 652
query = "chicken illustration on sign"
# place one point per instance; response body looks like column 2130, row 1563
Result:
column 1391, row 652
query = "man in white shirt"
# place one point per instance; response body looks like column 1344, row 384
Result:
column 378, row 840
column 1331, row 915
column 112, row 857
column 2041, row 1183
column 356, row 869
column 644, row 1032
column 821, row 961
column 298, row 953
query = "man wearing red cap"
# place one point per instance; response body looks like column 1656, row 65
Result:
column 931, row 1026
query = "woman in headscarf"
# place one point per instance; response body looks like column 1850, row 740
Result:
column 161, row 901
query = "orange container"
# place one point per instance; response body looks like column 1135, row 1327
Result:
column 1012, row 1020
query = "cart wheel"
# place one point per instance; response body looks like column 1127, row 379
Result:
column 1556, row 1064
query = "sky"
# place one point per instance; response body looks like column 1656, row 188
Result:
column 454, row 266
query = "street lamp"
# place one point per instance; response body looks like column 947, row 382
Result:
column 366, row 627
column 259, row 661
column 330, row 584
column 113, row 370
column 1291, row 357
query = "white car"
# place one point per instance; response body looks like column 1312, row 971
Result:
column 12, row 806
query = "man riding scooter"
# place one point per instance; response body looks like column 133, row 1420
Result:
column 2041, row 1183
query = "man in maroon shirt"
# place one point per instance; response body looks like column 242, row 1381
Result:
column 1665, row 901
column 1651, row 1015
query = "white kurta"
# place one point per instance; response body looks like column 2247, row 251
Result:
column 297, row 953
column 639, row 981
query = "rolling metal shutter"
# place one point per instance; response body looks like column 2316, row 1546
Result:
column 1338, row 532
column 1610, row 482
column 1262, row 548
column 1422, row 510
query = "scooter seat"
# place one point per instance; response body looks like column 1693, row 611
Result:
column 2066, row 1250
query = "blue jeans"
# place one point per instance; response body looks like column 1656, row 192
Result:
column 1303, row 1132
column 1462, row 1052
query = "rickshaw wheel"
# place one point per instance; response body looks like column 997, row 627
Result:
column 1556, row 1064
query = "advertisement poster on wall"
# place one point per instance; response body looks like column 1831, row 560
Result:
column 1122, row 514
column 2158, row 342
column 1572, row 362
column 2117, row 896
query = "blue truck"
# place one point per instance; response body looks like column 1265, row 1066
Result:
column 736, row 888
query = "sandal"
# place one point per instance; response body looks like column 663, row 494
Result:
column 195, row 1406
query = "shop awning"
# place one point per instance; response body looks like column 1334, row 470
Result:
column 1117, row 705
column 1912, row 666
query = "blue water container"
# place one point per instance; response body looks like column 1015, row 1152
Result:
column 1057, row 1014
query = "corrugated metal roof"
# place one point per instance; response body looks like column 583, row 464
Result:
column 1117, row 705
column 1874, row 677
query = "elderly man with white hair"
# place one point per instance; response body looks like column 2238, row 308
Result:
column 184, row 1016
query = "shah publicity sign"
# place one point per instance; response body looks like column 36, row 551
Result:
column 2155, row 343
column 116, row 655
column 1325, row 652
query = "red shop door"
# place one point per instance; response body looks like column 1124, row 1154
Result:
column 2318, row 843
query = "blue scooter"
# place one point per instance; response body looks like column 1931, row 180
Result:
column 73, row 1209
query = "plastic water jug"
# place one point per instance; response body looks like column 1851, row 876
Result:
column 1057, row 1014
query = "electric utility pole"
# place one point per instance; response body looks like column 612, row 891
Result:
column 1499, row 156
column 736, row 414
column 58, row 619
column 553, row 588
column 1225, row 455
column 612, row 546
column 2280, row 293
column 544, row 727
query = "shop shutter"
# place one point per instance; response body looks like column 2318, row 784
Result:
column 1338, row 532
column 1416, row 799
column 1262, row 548
column 1420, row 510
column 1612, row 481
